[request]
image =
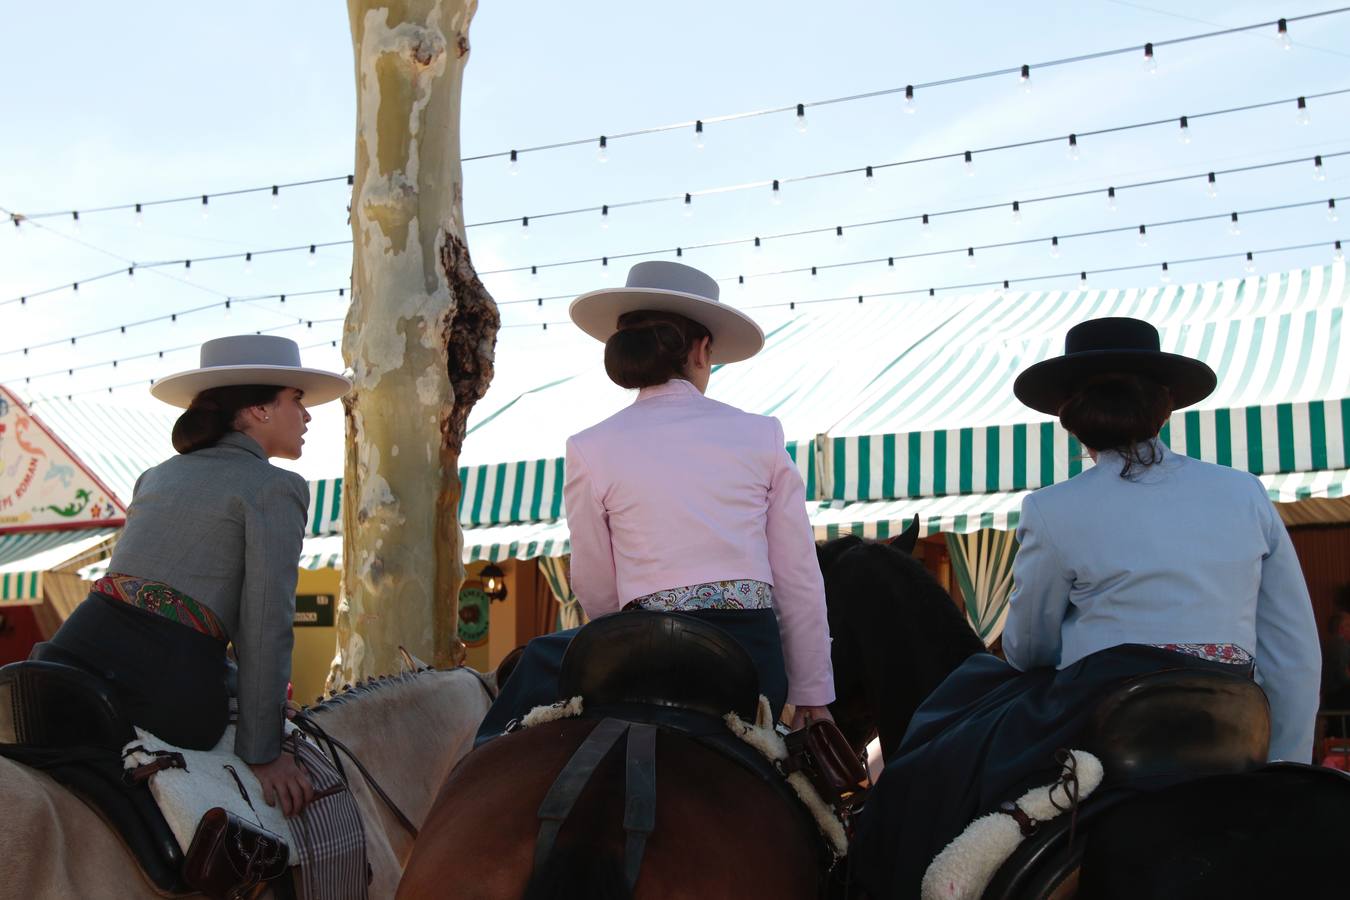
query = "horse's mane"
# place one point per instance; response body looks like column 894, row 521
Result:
column 352, row 692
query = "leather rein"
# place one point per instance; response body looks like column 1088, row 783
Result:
column 306, row 724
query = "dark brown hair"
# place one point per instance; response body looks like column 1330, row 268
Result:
column 212, row 413
column 650, row 347
column 1119, row 413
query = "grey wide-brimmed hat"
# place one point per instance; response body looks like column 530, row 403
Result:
column 671, row 287
column 1114, row 344
column 263, row 359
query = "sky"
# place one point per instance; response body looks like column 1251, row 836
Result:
column 110, row 105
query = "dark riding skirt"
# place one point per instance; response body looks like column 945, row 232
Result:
column 535, row 679
column 987, row 734
column 169, row 678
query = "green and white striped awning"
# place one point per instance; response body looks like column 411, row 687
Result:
column 26, row 555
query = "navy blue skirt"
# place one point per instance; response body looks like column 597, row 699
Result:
column 987, row 734
column 535, row 679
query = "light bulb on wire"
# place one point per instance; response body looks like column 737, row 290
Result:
column 1250, row 265
column 276, row 196
column 513, row 164
column 970, row 257
column 75, row 218
column 604, row 217
column 969, row 164
column 869, row 181
column 140, row 216
column 1282, row 35
column 1143, row 236
column 1233, row 228
column 1111, row 200
column 1017, row 213
column 1165, row 277
column 248, row 263
column 1332, row 215
column 1073, row 147
column 1185, row 131
column 1150, row 64
column 688, row 205
column 1211, row 187
column 602, row 152
column 839, row 234
column 776, row 198
column 1319, row 174
column 525, row 228
column 925, row 228
column 801, row 118
column 1082, row 280
column 1054, row 247
column 313, row 257
column 206, row 207
column 1303, row 117
column 698, row 135
column 909, row 99
column 1024, row 77
column 1338, row 254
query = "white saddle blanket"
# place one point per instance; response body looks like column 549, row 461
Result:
column 184, row 795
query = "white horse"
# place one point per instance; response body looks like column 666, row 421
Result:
column 408, row 730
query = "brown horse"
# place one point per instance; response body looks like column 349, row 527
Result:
column 720, row 830
column 408, row 730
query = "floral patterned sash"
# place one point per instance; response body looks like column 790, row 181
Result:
column 713, row 595
column 162, row 600
column 1223, row 653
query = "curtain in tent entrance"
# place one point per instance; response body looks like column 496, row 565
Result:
column 983, row 561
column 556, row 574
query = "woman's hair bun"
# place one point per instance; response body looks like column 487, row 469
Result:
column 650, row 347
column 213, row 412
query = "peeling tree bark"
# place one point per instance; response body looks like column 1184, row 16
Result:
column 419, row 339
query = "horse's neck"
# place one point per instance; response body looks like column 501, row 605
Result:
column 408, row 730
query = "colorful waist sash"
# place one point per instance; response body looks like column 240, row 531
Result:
column 162, row 600
column 1223, row 653
column 742, row 594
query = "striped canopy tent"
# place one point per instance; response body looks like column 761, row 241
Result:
column 25, row 557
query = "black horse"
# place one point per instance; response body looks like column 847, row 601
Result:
column 1278, row 831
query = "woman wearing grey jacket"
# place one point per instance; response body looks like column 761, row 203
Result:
column 209, row 558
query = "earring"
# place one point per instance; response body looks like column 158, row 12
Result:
column 267, row 418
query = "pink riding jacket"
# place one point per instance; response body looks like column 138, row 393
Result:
column 678, row 489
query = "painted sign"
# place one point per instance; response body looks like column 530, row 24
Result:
column 473, row 614
column 42, row 484
column 313, row 610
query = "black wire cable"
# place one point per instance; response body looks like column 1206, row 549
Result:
column 679, row 250
column 909, row 89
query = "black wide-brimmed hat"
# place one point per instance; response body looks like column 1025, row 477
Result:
column 1108, row 346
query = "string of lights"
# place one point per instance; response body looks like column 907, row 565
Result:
column 174, row 317
column 1022, row 71
column 113, row 363
column 1164, row 266
column 1072, row 141
column 1054, row 242
column 1210, row 177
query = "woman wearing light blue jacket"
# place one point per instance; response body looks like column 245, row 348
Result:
column 1146, row 561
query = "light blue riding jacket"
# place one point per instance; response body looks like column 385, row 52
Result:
column 1182, row 552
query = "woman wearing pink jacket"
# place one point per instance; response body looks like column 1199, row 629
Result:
column 679, row 503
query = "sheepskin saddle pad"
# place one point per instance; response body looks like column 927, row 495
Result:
column 187, row 783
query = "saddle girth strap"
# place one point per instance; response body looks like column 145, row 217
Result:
column 569, row 784
column 639, row 809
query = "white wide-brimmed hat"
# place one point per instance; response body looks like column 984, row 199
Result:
column 671, row 287
column 263, row 359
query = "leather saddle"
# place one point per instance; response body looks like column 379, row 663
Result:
column 660, row 659
column 1154, row 731
column 66, row 721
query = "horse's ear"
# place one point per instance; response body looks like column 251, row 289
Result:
column 908, row 538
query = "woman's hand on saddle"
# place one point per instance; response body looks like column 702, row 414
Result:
column 284, row 781
column 805, row 715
